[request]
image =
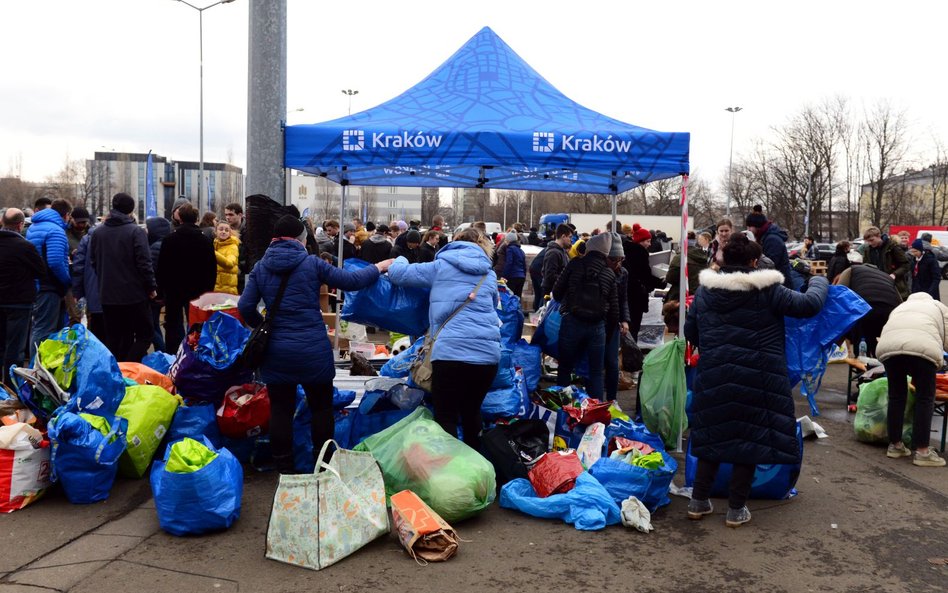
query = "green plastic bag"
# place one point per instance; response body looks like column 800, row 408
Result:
column 663, row 390
column 52, row 354
column 149, row 410
column 98, row 422
column 187, row 456
column 416, row 454
column 872, row 413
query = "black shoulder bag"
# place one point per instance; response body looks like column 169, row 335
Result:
column 256, row 347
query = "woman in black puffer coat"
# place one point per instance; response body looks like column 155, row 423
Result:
column 743, row 408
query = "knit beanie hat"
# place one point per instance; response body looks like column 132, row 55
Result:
column 639, row 234
column 413, row 237
column 616, row 250
column 80, row 214
column 123, row 202
column 601, row 243
column 288, row 226
column 512, row 238
column 917, row 244
column 756, row 220
column 180, row 201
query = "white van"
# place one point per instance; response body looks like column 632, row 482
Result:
column 938, row 237
column 492, row 228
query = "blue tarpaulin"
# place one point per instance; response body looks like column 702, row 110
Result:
column 485, row 118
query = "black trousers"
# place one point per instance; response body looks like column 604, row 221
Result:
column 176, row 315
column 97, row 325
column 869, row 327
column 516, row 286
column 457, row 391
column 898, row 369
column 128, row 330
column 536, row 279
column 14, row 335
column 282, row 407
column 742, row 477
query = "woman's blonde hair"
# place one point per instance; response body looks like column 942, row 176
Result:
column 472, row 235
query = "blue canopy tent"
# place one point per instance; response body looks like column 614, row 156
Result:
column 486, row 119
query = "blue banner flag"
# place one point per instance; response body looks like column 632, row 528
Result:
column 151, row 201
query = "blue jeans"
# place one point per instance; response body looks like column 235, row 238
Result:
column 580, row 338
column 611, row 362
column 14, row 329
column 47, row 318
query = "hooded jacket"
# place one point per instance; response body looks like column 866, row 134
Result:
column 926, row 275
column 773, row 240
column 85, row 282
column 917, row 327
column 227, row 253
column 120, row 256
column 375, row 249
column 573, row 281
column 872, row 284
column 697, row 262
column 515, row 262
column 299, row 350
column 49, row 231
column 743, row 409
column 641, row 280
column 20, row 267
column 890, row 258
column 554, row 261
column 473, row 335
column 158, row 229
column 187, row 266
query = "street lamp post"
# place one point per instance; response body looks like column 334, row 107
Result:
column 350, row 92
column 934, row 169
column 201, row 77
column 730, row 162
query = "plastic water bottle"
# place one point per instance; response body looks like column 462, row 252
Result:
column 863, row 350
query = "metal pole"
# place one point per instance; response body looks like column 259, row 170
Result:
column 531, row 209
column 504, row 198
column 201, row 78
column 934, row 221
column 806, row 219
column 730, row 162
column 266, row 99
column 682, row 284
column 340, row 237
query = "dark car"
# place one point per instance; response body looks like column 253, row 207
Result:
column 824, row 251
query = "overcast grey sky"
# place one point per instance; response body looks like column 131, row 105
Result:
column 122, row 75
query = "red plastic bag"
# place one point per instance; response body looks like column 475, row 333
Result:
column 555, row 473
column 589, row 412
column 245, row 411
column 201, row 308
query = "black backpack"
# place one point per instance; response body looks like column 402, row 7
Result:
column 590, row 304
column 536, row 266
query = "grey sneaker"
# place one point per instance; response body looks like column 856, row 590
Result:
column 930, row 459
column 897, row 450
column 737, row 517
column 699, row 508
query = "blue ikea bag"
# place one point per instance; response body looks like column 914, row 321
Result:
column 84, row 460
column 507, row 402
column 207, row 499
column 772, row 481
column 588, row 506
column 402, row 309
column 528, row 358
column 97, row 384
column 635, row 431
column 505, row 370
column 511, row 317
column 159, row 361
column 208, row 371
column 399, row 366
column 547, row 334
column 341, row 398
column 195, row 421
column 623, row 480
column 376, row 412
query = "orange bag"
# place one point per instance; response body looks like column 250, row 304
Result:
column 422, row 531
column 201, row 308
column 144, row 375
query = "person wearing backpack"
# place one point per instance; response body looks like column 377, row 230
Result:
column 589, row 303
column 536, row 278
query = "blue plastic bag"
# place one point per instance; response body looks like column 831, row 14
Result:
column 809, row 341
column 341, row 398
column 207, row 499
column 547, row 334
column 222, row 340
column 505, row 370
column 772, row 481
column 159, row 361
column 205, row 374
column 588, row 506
column 97, row 384
column 511, row 317
column 195, row 421
column 399, row 309
column 623, row 480
column 399, row 366
column 634, row 431
column 84, row 460
column 557, row 421
column 507, row 402
column 528, row 358
column 376, row 413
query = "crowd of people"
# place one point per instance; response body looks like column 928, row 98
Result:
column 124, row 279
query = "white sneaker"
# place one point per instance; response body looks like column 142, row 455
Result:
column 930, row 459
column 897, row 450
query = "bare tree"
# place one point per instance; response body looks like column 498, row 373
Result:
column 884, row 142
column 326, row 204
column 430, row 203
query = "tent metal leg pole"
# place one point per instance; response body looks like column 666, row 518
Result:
column 615, row 205
column 683, row 287
column 340, row 237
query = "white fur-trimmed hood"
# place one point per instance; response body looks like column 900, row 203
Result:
column 740, row 281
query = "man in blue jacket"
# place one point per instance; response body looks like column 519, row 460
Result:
column 122, row 260
column 48, row 235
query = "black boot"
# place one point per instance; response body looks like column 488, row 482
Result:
column 284, row 464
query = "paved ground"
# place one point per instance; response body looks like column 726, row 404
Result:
column 861, row 522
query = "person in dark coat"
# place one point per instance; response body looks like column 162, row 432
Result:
column 555, row 258
column 773, row 240
column 590, row 308
column 536, row 278
column 377, row 247
column 187, row 268
column 743, row 410
column 876, row 288
column 926, row 274
column 122, row 261
column 885, row 254
column 611, row 360
column 85, row 285
column 534, row 237
column 299, row 352
column 429, row 247
column 410, row 248
column 20, row 268
column 839, row 262
column 158, row 229
column 641, row 280
column 515, row 265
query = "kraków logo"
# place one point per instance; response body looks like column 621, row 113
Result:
column 546, row 142
column 353, row 140
column 543, row 141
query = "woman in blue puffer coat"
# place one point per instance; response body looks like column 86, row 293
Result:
column 299, row 352
column 466, row 353
column 743, row 408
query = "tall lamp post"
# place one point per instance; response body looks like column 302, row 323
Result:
column 934, row 169
column 730, row 162
column 201, row 61
column 350, row 92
